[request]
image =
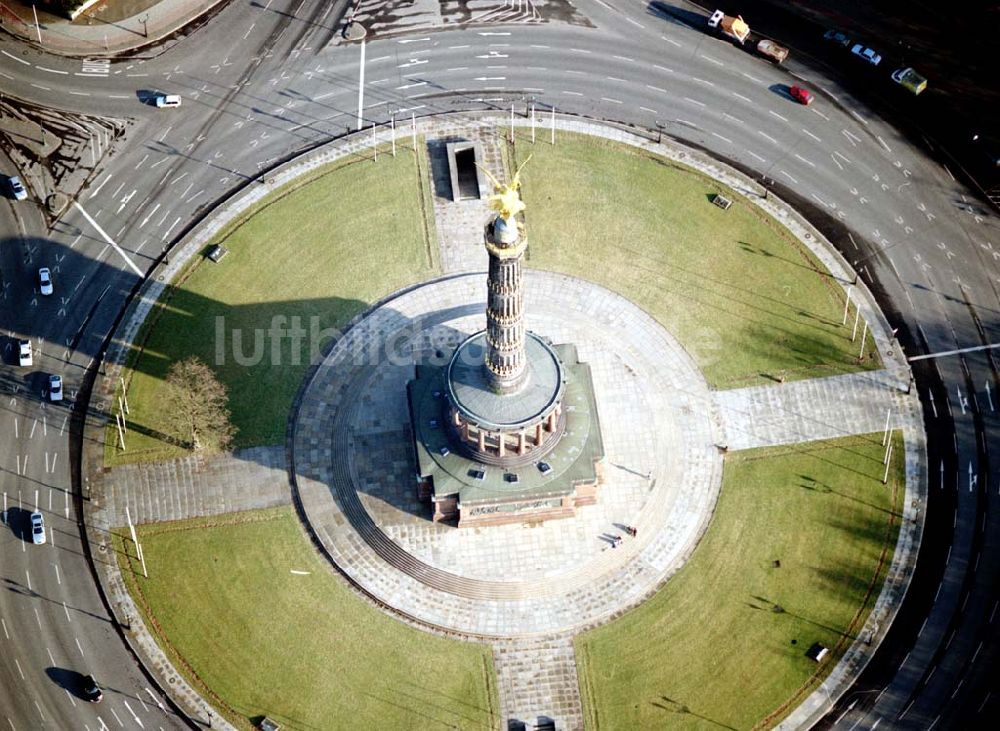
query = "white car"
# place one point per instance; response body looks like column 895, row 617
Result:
column 37, row 528
column 45, row 281
column 867, row 54
column 24, row 353
column 168, row 100
column 17, row 188
column 55, row 388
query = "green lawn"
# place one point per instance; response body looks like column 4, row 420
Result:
column 709, row 650
column 745, row 298
column 301, row 648
column 320, row 252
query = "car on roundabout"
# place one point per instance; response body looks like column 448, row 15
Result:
column 837, row 37
column 37, row 528
column 91, row 690
column 866, row 54
column 24, row 353
column 801, row 95
column 55, row 388
column 17, row 188
column 45, row 281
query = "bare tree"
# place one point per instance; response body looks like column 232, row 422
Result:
column 197, row 406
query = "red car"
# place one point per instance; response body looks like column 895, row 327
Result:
column 802, row 96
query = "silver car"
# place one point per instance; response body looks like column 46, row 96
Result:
column 17, row 188
column 37, row 528
column 45, row 281
column 867, row 54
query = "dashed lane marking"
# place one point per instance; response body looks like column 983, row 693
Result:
column 19, row 60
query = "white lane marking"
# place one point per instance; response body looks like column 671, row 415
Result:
column 671, row 40
column 98, row 188
column 149, row 215
column 766, row 136
column 625, row 58
column 579, row 50
column 711, row 60
column 816, row 111
column 775, row 114
column 744, row 98
column 572, row 93
column 19, row 671
column 39, row 86
column 842, row 156
column 133, row 714
column 724, row 139
column 52, row 71
column 614, row 78
column 754, row 154
column 80, row 93
column 66, row 610
column 155, row 699
column 882, row 142
column 694, row 101
column 361, row 83
column 656, row 88
column 859, row 118
column 116, row 717
column 107, row 238
column 406, row 86
column 635, row 22
column 807, row 162
column 852, row 138
column 79, row 646
column 647, row 109
column 811, row 135
column 751, row 77
column 19, row 60
column 789, row 177
column 663, row 68
column 703, row 81
column 727, row 115
column 609, row 99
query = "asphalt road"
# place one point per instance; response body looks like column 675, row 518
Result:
column 261, row 82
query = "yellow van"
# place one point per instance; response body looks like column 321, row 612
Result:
column 910, row 79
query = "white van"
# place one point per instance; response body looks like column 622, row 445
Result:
column 168, row 100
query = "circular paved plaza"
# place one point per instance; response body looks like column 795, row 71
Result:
column 355, row 475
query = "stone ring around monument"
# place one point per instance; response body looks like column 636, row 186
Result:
column 661, row 470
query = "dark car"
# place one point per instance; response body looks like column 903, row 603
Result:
column 802, row 96
column 91, row 690
column 837, row 37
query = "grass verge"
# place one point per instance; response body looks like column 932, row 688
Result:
column 723, row 643
column 745, row 298
column 311, row 257
column 245, row 607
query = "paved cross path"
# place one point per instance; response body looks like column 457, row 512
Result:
column 196, row 486
column 814, row 409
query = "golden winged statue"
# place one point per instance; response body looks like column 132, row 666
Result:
column 507, row 200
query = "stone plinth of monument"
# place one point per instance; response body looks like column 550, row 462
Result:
column 480, row 488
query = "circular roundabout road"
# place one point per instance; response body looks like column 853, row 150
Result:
column 257, row 90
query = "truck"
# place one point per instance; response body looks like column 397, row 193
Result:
column 772, row 50
column 729, row 26
column 909, row 79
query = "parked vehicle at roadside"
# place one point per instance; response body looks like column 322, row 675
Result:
column 772, row 50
